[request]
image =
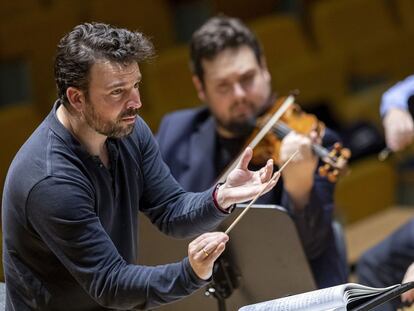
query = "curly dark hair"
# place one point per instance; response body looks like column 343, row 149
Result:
column 87, row 43
column 217, row 34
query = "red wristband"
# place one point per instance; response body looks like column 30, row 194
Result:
column 217, row 205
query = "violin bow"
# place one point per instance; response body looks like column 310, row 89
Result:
column 264, row 130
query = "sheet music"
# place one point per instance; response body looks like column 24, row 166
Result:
column 324, row 299
column 334, row 298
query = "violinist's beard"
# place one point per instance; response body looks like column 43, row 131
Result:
column 241, row 126
column 241, row 129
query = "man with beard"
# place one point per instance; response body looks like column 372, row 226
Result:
column 74, row 190
column 231, row 78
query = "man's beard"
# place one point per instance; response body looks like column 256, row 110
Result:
column 244, row 127
column 241, row 126
column 109, row 128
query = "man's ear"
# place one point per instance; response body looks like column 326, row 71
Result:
column 76, row 98
column 199, row 88
column 263, row 62
column 265, row 70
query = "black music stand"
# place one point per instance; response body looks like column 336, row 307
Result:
column 264, row 259
column 370, row 304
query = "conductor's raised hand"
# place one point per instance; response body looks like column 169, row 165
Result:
column 203, row 252
column 242, row 184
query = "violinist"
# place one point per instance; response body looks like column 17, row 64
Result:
column 232, row 80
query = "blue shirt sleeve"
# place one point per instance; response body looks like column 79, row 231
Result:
column 397, row 96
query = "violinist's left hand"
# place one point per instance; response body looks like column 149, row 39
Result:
column 242, row 184
column 298, row 176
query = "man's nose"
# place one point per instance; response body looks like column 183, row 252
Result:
column 238, row 90
column 134, row 99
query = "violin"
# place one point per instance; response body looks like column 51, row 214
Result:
column 295, row 119
column 267, row 137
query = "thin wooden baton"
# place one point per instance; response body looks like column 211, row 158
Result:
column 275, row 175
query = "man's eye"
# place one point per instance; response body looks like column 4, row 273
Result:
column 116, row 92
column 223, row 88
column 247, row 79
column 136, row 85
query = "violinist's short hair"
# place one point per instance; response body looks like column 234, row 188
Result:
column 90, row 42
column 217, row 34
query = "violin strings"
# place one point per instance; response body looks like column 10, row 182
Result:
column 275, row 175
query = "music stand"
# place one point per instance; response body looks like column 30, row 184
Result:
column 370, row 304
column 264, row 248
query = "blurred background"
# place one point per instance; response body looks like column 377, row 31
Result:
column 340, row 54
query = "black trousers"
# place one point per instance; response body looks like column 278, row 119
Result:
column 386, row 263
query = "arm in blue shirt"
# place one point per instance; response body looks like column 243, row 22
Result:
column 397, row 96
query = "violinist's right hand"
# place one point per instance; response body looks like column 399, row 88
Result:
column 298, row 176
column 399, row 129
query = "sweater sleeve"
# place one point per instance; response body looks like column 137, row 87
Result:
column 397, row 96
column 174, row 211
column 61, row 212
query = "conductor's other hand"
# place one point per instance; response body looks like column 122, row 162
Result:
column 242, row 184
column 203, row 252
column 399, row 129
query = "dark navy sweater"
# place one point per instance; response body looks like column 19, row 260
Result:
column 70, row 224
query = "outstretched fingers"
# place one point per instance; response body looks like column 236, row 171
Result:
column 245, row 159
column 273, row 181
column 266, row 171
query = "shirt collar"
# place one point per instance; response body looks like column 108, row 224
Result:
column 62, row 132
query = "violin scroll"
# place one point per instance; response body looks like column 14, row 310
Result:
column 336, row 163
